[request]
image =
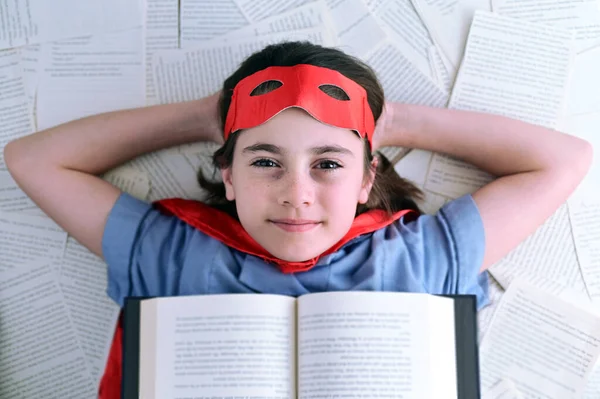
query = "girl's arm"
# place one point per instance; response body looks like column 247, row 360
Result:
column 57, row 167
column 538, row 168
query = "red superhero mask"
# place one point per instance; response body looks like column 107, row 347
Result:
column 300, row 88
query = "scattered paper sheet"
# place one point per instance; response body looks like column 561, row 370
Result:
column 582, row 17
column 130, row 180
column 414, row 166
column 161, row 33
column 485, row 315
column 402, row 81
column 202, row 20
column 448, row 23
column 503, row 389
column 37, row 21
column 592, row 389
column 511, row 68
column 41, row 355
column 585, row 222
column 443, row 78
column 90, row 75
column 583, row 95
column 256, row 10
column 544, row 345
column 13, row 199
column 587, row 127
column 16, row 119
column 83, row 281
column 25, row 239
column 183, row 75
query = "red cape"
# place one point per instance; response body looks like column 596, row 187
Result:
column 226, row 229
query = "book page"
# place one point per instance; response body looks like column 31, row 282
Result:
column 202, row 20
column 26, row 238
column 13, row 199
column 503, row 389
column 585, row 221
column 511, row 68
column 219, row 346
column 414, row 166
column 582, row 17
column 255, row 10
column 161, row 32
column 16, row 119
column 549, row 252
column 90, row 75
column 130, row 180
column 309, row 15
column 583, row 96
column 544, row 345
column 171, row 175
column 407, row 31
column 30, row 62
column 41, row 357
column 444, row 78
column 184, row 75
column 376, row 344
column 37, row 21
column 83, row 281
column 448, row 23
column 402, row 81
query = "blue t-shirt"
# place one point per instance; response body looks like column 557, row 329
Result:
column 151, row 254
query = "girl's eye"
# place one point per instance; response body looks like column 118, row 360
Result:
column 264, row 163
column 329, row 165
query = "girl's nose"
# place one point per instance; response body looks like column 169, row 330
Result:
column 298, row 190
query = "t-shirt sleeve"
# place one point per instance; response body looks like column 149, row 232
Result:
column 144, row 250
column 443, row 252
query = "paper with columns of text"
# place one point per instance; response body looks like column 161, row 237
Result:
column 443, row 77
column 585, row 221
column 27, row 238
column 548, row 252
column 161, row 32
column 13, row 199
column 90, row 75
column 37, row 21
column 448, row 23
column 183, row 75
column 582, row 17
column 511, row 68
column 129, row 179
column 16, row 119
column 41, row 356
column 83, row 281
column 407, row 31
column 583, row 96
column 202, row 20
column 402, row 81
column 546, row 346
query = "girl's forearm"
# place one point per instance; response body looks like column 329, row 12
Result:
column 98, row 143
column 496, row 144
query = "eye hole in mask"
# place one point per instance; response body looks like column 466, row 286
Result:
column 266, row 87
column 335, row 92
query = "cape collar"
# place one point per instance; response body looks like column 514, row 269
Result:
column 223, row 227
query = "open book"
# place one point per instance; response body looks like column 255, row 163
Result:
column 336, row 344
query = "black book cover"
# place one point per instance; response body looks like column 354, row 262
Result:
column 465, row 322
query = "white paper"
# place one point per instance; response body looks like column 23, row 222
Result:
column 584, row 93
column 25, row 239
column 83, row 281
column 511, row 68
column 504, row 389
column 414, row 166
column 90, row 75
column 255, row 10
column 402, row 81
column 546, row 346
column 16, row 119
column 161, row 33
column 582, row 17
column 190, row 74
column 439, row 70
column 130, row 180
column 30, row 62
column 549, row 252
column 36, row 21
column 13, row 199
column 41, row 356
column 448, row 23
column 587, row 127
column 585, row 221
column 171, row 175
column 407, row 31
column 202, row 20
column 592, row 389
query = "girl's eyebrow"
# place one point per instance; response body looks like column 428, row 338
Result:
column 325, row 149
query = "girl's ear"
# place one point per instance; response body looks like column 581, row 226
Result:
column 228, row 181
column 363, row 197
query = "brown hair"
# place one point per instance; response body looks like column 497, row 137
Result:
column 390, row 192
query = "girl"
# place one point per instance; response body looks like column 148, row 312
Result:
column 304, row 205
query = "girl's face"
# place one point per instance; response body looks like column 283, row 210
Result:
column 297, row 183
